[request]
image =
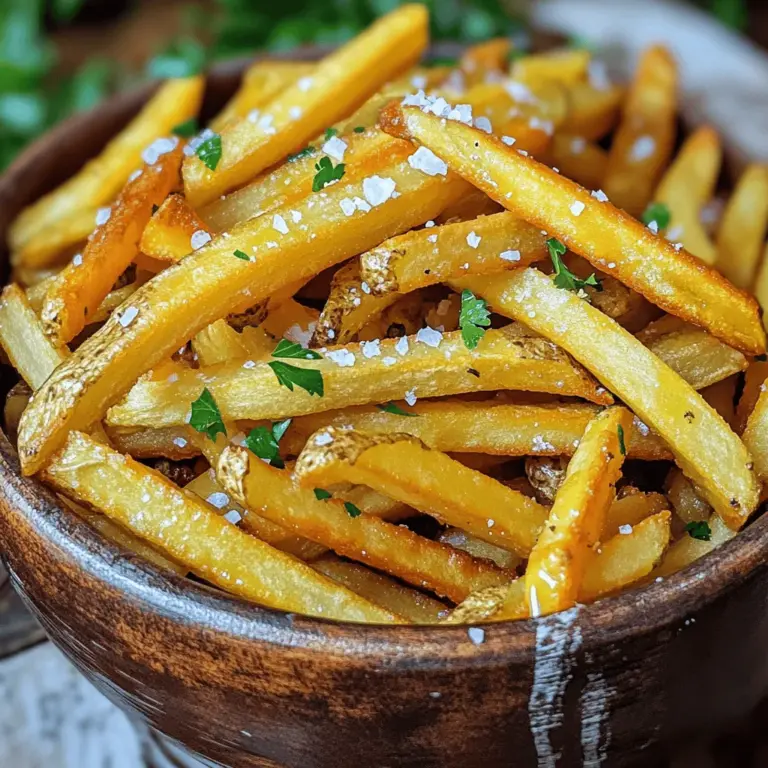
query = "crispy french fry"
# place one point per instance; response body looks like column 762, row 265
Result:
column 78, row 290
column 219, row 343
column 686, row 186
column 51, row 244
column 568, row 66
column 291, row 320
column 685, row 500
column 556, row 565
column 754, row 379
column 645, row 138
column 756, row 434
column 631, row 509
column 382, row 590
column 213, row 282
column 743, row 227
column 484, row 427
column 368, row 539
column 591, row 111
column 99, row 182
column 722, row 397
column 252, row 390
column 168, row 235
column 578, row 159
column 430, row 481
column 340, row 83
column 596, row 230
column 703, row 445
column 139, row 499
column 169, row 442
column 22, row 337
column 484, row 59
column 476, row 547
column 687, row 549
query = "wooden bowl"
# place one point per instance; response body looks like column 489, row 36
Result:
column 613, row 683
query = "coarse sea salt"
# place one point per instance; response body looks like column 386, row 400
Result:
column 324, row 438
column 473, row 239
column 508, row 140
column 370, row 348
column 335, row 148
column 158, row 148
column 378, row 189
column 577, row 208
column 232, row 516
column 199, row 239
column 102, row 216
column 77, row 259
column 429, row 336
column 218, row 499
column 599, row 195
column 476, row 635
column 342, row 357
column 179, row 442
column 642, row 149
column 278, row 223
column 410, row 397
column 426, row 161
column 510, row 255
column 127, row 316
column 483, row 124
column 401, row 346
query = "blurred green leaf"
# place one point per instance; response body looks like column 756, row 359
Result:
column 63, row 11
column 733, row 13
column 185, row 56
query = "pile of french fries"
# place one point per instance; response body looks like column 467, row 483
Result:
column 395, row 343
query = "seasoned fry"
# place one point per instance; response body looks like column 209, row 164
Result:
column 703, row 445
column 169, row 442
column 686, row 549
column 578, row 159
column 139, row 499
column 722, row 396
column 754, row 379
column 482, row 427
column 631, row 509
column 368, row 539
column 591, row 111
column 645, row 138
column 686, row 502
column 485, row 59
column 756, row 434
column 78, row 290
column 22, row 337
column 219, row 343
column 171, row 232
column 52, row 244
column 99, row 182
column 672, row 280
column 291, row 320
column 428, row 480
column 567, row 66
column 476, row 547
column 686, row 186
column 743, row 227
column 340, row 82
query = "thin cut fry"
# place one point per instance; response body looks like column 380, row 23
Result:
column 428, row 480
column 568, row 66
column 591, row 112
column 390, row 548
column 687, row 185
column 686, row 502
column 78, row 290
column 169, row 442
column 170, row 234
column 756, row 434
column 686, row 549
column 703, row 445
column 743, row 227
column 674, row 281
column 645, row 138
column 578, row 159
column 722, row 397
column 99, row 182
column 754, row 379
column 139, row 499
column 482, row 59
column 219, row 343
column 51, row 244
column 464, row 541
column 761, row 285
column 340, row 83
column 631, row 509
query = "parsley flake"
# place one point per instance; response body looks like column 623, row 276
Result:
column 622, row 444
column 564, row 278
column 305, row 378
column 658, row 212
column 242, row 255
column 291, row 350
column 359, row 129
column 330, row 133
column 265, row 442
column 352, row 510
column 699, row 529
column 395, row 409
column 473, row 318
column 206, row 416
column 308, row 150
column 187, row 129
column 321, row 494
column 326, row 173
column 210, row 151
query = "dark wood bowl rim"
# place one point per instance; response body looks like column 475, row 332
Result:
column 637, row 612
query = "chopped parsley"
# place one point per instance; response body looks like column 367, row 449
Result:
column 395, row 409
column 699, row 529
column 352, row 510
column 564, row 278
column 289, row 375
column 242, row 255
column 209, row 151
column 330, row 133
column 327, row 172
column 292, row 350
column 622, row 444
column 658, row 212
column 265, row 442
column 321, row 494
column 359, row 129
column 206, row 416
column 474, row 317
column 187, row 129
column 308, row 150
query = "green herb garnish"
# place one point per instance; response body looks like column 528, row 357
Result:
column 242, row 255
column 321, row 494
column 265, row 442
column 352, row 510
column 395, row 409
column 473, row 318
column 308, row 150
column 326, row 173
column 699, row 529
column 210, row 151
column 187, row 129
column 290, row 350
column 564, row 278
column 206, row 416
column 330, row 133
column 658, row 212
column 622, row 445
column 359, row 129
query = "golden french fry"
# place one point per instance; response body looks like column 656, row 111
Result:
column 476, row 547
column 756, row 434
column 340, row 83
column 591, row 111
column 556, row 565
column 687, row 549
column 722, row 397
column 51, row 244
column 631, row 509
column 457, row 426
column 743, row 227
column 754, row 380
column 219, row 343
column 578, row 159
column 78, row 290
column 403, row 467
column 22, row 337
column 484, row 59
column 382, row 590
column 291, row 320
column 685, row 500
column 139, row 499
column 368, row 539
column 171, row 232
column 645, row 138
column 702, row 443
column 568, row 66
column 594, row 229
column 169, row 442
column 99, row 182
column 686, row 186
column 251, row 390
column 213, row 282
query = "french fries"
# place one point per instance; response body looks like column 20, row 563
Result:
column 171, row 232
column 485, row 59
column 51, row 245
column 754, row 378
column 672, row 280
column 583, row 161
column 756, row 434
column 568, row 66
column 99, row 182
column 631, row 509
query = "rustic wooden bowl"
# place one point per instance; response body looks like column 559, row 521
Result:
column 614, row 683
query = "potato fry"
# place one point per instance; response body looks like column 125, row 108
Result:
column 567, row 66
column 430, row 481
column 645, row 138
column 685, row 500
column 703, row 445
column 578, row 159
column 168, row 442
column 219, row 343
column 382, row 590
column 557, row 562
column 484, row 427
column 168, row 235
column 368, row 539
column 100, row 180
column 291, row 320
column 674, row 281
column 743, row 227
column 15, row 403
column 52, row 244
column 722, row 397
column 464, row 541
column 22, row 337
column 754, row 379
column 213, row 282
column 591, row 111
column 340, row 83
column 686, row 186
column 253, row 391
column 485, row 59
column 139, row 499
column 78, row 290
column 756, row 434
column 631, row 509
